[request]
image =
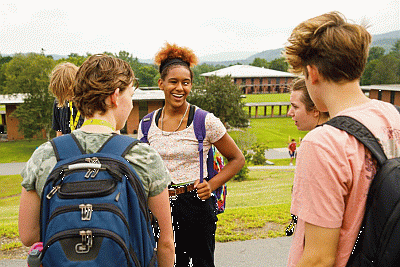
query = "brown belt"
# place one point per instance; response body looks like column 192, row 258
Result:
column 174, row 191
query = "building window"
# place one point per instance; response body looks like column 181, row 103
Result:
column 380, row 95
column 392, row 95
column 278, row 80
column 143, row 109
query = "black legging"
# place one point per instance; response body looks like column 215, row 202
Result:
column 194, row 223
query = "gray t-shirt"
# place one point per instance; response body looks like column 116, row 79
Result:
column 144, row 159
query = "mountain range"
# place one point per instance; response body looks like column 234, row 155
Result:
column 385, row 40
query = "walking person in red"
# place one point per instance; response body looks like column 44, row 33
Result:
column 292, row 151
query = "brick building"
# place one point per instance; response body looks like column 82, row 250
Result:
column 385, row 92
column 144, row 101
column 254, row 80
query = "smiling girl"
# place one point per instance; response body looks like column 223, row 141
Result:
column 172, row 134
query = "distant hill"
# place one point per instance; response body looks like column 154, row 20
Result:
column 385, row 40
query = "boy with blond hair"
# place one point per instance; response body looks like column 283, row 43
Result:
column 334, row 170
column 66, row 117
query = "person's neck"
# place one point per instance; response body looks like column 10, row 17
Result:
column 341, row 96
column 171, row 111
column 99, row 124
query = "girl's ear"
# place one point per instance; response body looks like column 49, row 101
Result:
column 160, row 84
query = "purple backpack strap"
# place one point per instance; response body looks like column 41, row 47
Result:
column 200, row 132
column 145, row 126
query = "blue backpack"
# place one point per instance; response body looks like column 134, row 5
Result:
column 94, row 210
column 215, row 161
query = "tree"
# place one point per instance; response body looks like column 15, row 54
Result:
column 260, row 62
column 29, row 74
column 222, row 97
column 279, row 64
column 376, row 52
column 387, row 70
column 3, row 60
column 74, row 59
column 396, row 47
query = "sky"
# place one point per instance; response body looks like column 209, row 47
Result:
column 141, row 28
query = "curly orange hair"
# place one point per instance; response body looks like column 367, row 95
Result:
column 171, row 52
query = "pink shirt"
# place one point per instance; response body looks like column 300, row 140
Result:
column 333, row 175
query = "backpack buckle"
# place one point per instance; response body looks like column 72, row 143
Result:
column 92, row 172
column 86, row 211
column 87, row 242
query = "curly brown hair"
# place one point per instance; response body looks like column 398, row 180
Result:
column 97, row 78
column 62, row 80
column 165, row 58
column 339, row 49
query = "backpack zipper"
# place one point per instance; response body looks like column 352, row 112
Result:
column 96, row 232
column 96, row 207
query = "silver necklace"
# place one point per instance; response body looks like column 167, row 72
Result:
column 180, row 123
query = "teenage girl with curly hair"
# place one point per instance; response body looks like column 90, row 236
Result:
column 172, row 134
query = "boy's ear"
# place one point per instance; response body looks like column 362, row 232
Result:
column 114, row 97
column 313, row 73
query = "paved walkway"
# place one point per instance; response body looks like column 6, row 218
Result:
column 271, row 252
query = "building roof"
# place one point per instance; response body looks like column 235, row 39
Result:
column 247, row 71
column 384, row 87
column 140, row 95
column 12, row 99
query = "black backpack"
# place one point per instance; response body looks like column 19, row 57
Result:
column 378, row 242
column 94, row 210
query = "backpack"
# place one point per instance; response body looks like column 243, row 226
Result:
column 215, row 161
column 94, row 210
column 378, row 242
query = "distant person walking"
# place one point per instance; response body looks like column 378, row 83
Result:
column 66, row 116
column 292, row 151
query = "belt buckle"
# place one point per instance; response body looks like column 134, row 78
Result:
column 174, row 196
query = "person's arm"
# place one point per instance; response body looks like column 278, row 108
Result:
column 320, row 246
column 159, row 206
column 29, row 216
column 228, row 148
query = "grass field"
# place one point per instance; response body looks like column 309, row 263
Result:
column 18, row 151
column 274, row 132
column 256, row 208
column 256, row 98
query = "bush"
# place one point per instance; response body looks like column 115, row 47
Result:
column 259, row 153
column 243, row 174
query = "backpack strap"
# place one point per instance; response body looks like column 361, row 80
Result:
column 200, row 132
column 362, row 133
column 145, row 126
column 118, row 145
column 66, row 146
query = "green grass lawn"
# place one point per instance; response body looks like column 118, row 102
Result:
column 18, row 151
column 274, row 132
column 10, row 185
column 256, row 208
column 256, row 98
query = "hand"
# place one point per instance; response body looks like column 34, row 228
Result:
column 203, row 189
